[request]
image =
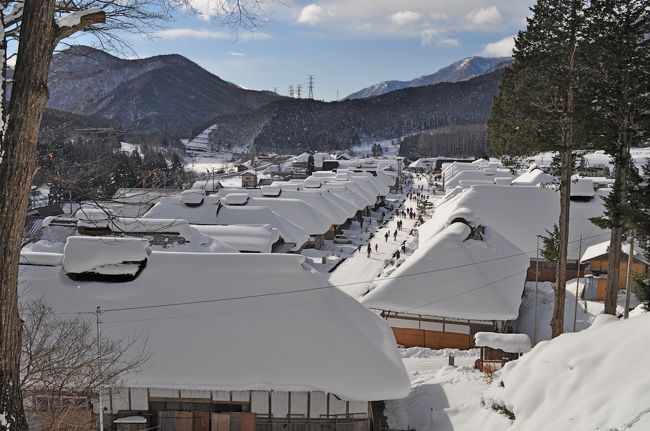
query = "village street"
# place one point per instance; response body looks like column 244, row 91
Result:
column 356, row 274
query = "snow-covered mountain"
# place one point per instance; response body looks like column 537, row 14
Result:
column 165, row 92
column 461, row 70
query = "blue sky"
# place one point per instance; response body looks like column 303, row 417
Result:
column 346, row 44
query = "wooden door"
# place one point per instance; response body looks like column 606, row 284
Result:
column 201, row 421
column 220, row 422
column 247, row 421
column 184, row 421
column 167, row 420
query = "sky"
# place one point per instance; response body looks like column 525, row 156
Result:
column 346, row 44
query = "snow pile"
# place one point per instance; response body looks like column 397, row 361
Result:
column 583, row 188
column 192, row 197
column 92, row 217
column 236, row 198
column 594, row 379
column 511, row 343
column 101, row 254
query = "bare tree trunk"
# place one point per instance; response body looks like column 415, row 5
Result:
column 566, row 165
column 557, row 322
column 621, row 161
column 28, row 100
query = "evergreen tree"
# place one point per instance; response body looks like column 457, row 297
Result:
column 618, row 48
column 311, row 167
column 537, row 108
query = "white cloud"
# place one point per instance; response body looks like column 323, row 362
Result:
column 427, row 36
column 500, row 48
column 311, row 14
column 236, row 54
column 404, row 17
column 191, row 33
column 448, row 41
column 485, row 16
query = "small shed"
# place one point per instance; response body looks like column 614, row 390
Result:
column 249, row 179
column 500, row 348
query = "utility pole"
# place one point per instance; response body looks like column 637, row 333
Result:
column 575, row 306
column 536, row 287
column 291, row 91
column 310, row 78
column 275, row 90
column 299, row 90
column 98, row 313
column 628, row 281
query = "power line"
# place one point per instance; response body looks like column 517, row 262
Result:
column 328, row 286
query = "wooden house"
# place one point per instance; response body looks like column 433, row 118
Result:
column 249, row 179
column 463, row 280
column 595, row 259
column 269, row 362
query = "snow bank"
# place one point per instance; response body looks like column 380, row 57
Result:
column 511, row 343
column 91, row 254
column 594, row 379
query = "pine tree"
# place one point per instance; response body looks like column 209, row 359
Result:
column 618, row 48
column 537, row 108
column 311, row 167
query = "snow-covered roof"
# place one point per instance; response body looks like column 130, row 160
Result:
column 582, row 187
column 257, row 239
column 511, row 343
column 321, row 201
column 288, row 332
column 533, row 177
column 520, row 214
column 474, row 174
column 452, row 275
column 214, row 212
column 602, row 249
column 423, row 163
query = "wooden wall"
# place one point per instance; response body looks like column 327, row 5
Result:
column 411, row 337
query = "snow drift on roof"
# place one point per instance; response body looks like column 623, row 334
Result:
column 602, row 249
column 534, row 177
column 521, row 213
column 256, row 239
column 451, row 275
column 291, row 333
column 91, row 253
column 212, row 212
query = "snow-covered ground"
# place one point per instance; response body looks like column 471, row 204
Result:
column 390, row 147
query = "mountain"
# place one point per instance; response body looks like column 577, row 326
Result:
column 166, row 92
column 461, row 70
column 295, row 124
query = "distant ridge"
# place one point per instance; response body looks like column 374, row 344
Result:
column 461, row 70
column 166, row 92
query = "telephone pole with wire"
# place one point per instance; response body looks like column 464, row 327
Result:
column 98, row 313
